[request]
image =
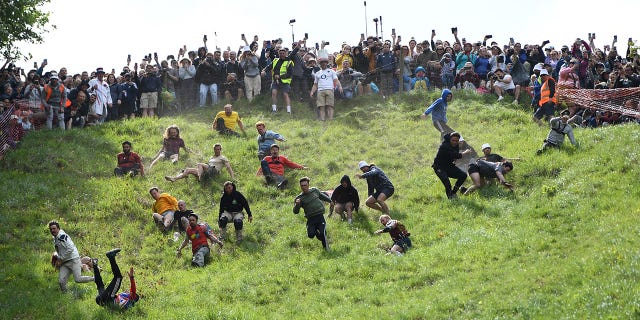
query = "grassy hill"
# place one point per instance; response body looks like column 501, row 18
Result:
column 563, row 245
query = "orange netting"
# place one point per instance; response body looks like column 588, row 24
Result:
column 623, row 100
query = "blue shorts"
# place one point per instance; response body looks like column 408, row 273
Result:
column 282, row 87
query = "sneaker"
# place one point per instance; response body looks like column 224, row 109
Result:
column 500, row 98
column 283, row 184
column 169, row 178
column 463, row 190
column 515, row 102
column 94, row 262
column 176, row 236
column 113, row 253
column 452, row 196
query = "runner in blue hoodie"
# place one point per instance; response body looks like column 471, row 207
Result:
column 438, row 110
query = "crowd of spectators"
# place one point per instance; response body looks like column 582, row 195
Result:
column 370, row 65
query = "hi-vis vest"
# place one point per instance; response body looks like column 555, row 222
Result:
column 283, row 69
column 545, row 92
column 48, row 91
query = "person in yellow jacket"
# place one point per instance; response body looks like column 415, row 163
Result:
column 281, row 73
column 163, row 208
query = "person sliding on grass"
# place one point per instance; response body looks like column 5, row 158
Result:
column 398, row 233
column 108, row 296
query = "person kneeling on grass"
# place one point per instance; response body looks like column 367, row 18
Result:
column 108, row 296
column 199, row 234
column 398, row 233
column 482, row 170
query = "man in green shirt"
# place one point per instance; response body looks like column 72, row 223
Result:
column 311, row 201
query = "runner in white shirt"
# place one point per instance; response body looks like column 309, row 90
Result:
column 324, row 82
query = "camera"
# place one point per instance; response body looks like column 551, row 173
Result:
column 488, row 36
column 292, row 21
column 326, row 43
column 204, row 38
column 454, row 29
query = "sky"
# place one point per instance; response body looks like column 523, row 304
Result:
column 93, row 34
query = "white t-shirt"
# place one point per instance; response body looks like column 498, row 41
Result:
column 218, row 162
column 324, row 79
column 506, row 86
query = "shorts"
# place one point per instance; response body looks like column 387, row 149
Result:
column 282, row 87
column 387, row 191
column 149, row 100
column 473, row 168
column 404, row 243
column 231, row 216
column 168, row 156
column 325, row 98
column 210, row 173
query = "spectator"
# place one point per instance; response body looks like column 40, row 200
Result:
column 482, row 66
column 171, row 144
column 324, row 83
column 345, row 199
column 466, row 56
column 108, row 296
column 150, row 86
column 444, row 163
column 114, row 90
column 467, row 78
column 555, row 138
column 211, row 169
column 231, row 205
column 163, row 208
column 99, row 87
column 379, row 186
column 310, row 200
column 187, row 91
column 281, row 69
column 199, row 234
column 232, row 88
column 129, row 162
column 387, row 65
column 482, row 169
column 272, row 167
column 127, row 98
column 439, row 110
column 502, row 83
column 398, row 233
column 266, row 138
column 249, row 63
column 420, row 81
column 349, row 80
column 68, row 261
column 54, row 99
column 548, row 98
column 209, row 73
column 226, row 121
column 447, row 70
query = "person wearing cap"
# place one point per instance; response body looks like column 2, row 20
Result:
column 438, row 111
column 272, row 167
column 54, row 98
column 324, row 82
column 467, row 78
column 187, row 90
column 379, row 187
column 444, row 163
column 310, row 200
column 281, row 73
column 548, row 98
column 559, row 128
column 199, row 234
column 488, row 156
column 420, row 81
column 482, row 170
column 249, row 63
column 100, row 87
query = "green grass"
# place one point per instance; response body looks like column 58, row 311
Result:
column 564, row 245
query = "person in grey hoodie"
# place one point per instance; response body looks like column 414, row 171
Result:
column 252, row 82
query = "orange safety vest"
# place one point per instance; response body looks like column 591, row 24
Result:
column 545, row 92
column 47, row 91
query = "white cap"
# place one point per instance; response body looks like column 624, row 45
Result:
column 246, row 48
column 486, row 145
column 362, row 164
column 544, row 71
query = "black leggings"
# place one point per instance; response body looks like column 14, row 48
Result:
column 453, row 172
column 106, row 296
column 316, row 227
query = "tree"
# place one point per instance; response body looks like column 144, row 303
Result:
column 21, row 20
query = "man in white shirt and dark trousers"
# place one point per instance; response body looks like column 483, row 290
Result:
column 324, row 82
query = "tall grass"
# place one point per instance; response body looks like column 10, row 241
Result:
column 563, row 245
